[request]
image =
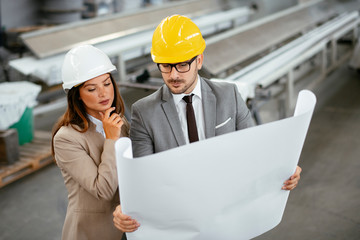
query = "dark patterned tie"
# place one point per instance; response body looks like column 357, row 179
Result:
column 190, row 117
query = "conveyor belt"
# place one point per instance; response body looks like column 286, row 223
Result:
column 233, row 50
column 62, row 38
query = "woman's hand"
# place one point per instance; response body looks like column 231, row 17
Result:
column 123, row 222
column 293, row 181
column 111, row 123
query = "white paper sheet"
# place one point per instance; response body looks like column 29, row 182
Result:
column 226, row 187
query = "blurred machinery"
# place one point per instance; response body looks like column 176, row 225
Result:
column 124, row 36
column 60, row 12
column 242, row 37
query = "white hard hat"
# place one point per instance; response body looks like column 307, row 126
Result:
column 83, row 63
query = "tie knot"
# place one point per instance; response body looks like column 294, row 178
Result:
column 188, row 98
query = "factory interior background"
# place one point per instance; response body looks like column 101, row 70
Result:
column 270, row 49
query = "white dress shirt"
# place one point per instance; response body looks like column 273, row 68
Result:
column 98, row 124
column 198, row 109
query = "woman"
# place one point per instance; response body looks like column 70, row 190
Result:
column 83, row 143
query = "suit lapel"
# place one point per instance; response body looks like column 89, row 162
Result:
column 209, row 106
column 172, row 116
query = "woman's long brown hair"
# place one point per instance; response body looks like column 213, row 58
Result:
column 76, row 116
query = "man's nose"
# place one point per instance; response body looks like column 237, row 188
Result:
column 174, row 73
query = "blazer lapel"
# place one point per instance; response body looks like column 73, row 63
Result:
column 172, row 116
column 209, row 106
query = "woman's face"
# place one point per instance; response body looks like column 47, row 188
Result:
column 97, row 94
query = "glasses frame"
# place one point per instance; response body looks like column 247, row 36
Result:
column 173, row 65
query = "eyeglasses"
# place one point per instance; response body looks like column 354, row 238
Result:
column 182, row 67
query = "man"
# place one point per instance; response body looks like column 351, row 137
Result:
column 163, row 120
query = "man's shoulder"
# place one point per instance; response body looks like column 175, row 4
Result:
column 150, row 99
column 219, row 85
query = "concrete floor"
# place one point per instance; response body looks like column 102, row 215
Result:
column 325, row 205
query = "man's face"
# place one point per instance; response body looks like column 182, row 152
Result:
column 183, row 82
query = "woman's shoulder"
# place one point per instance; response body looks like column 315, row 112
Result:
column 125, row 129
column 68, row 132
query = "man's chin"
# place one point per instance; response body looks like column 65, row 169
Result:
column 176, row 91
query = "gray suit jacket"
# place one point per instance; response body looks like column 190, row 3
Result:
column 155, row 124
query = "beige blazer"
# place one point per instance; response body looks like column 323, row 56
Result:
column 87, row 163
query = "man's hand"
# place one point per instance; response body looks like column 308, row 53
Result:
column 123, row 222
column 293, row 181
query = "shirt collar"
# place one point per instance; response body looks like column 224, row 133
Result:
column 98, row 124
column 196, row 92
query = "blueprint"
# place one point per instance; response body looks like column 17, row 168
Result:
column 226, row 187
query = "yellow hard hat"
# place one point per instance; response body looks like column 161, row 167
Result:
column 176, row 39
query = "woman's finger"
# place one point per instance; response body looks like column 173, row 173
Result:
column 106, row 114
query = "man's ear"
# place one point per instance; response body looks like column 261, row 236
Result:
column 199, row 60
